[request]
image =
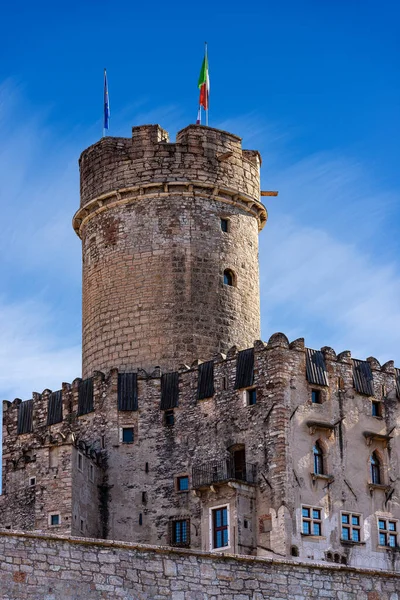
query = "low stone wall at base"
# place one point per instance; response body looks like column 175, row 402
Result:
column 43, row 567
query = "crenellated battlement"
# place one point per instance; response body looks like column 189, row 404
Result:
column 202, row 162
column 291, row 359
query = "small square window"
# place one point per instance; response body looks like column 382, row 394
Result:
column 127, row 435
column 251, row 397
column 225, row 225
column 182, row 483
column 54, row 520
column 316, row 396
column 80, row 462
column 169, row 418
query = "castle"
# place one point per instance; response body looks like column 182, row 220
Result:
column 187, row 430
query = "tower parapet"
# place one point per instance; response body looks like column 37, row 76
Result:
column 170, row 247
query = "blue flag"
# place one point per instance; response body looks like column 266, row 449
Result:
column 106, row 103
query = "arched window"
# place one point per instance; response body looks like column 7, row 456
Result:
column 229, row 277
column 375, row 468
column 318, row 459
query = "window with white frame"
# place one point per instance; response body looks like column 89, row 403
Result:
column 388, row 532
column 351, row 527
column 311, row 521
column 219, row 527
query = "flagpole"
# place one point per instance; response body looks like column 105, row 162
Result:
column 207, row 91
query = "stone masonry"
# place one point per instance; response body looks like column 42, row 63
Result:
column 154, row 253
column 185, row 432
column 38, row 567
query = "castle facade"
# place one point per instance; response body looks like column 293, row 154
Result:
column 186, row 430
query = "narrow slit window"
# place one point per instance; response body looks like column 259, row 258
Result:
column 375, row 469
column 318, row 459
column 225, row 225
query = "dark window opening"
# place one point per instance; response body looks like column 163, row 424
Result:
column 229, row 278
column 81, row 525
column 54, row 519
column 318, row 459
column 32, row 481
column 127, row 435
column 239, row 464
column 180, row 532
column 183, row 483
column 80, row 462
column 147, row 467
column 144, row 497
column 169, row 417
column 375, row 469
column 294, row 551
column 251, row 396
column 316, row 396
column 140, row 519
column 245, row 524
column 220, row 527
column 225, row 225
column 376, row 408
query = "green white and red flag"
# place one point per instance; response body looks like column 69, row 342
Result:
column 204, row 87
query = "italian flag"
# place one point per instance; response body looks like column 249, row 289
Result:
column 204, row 84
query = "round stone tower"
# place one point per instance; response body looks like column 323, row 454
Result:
column 169, row 247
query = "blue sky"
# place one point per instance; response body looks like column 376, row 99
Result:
column 313, row 85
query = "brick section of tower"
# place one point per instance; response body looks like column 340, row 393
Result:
column 154, row 253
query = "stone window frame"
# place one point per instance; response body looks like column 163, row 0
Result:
column 246, row 395
column 351, row 527
column 225, row 219
column 312, row 520
column 177, row 480
column 79, row 462
column 229, row 273
column 387, row 532
column 130, row 426
column 54, row 514
column 32, row 481
column 173, row 533
column 211, row 528
column 91, row 472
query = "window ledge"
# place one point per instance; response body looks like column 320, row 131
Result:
column 351, row 543
column 393, row 548
column 378, row 486
column 311, row 537
column 315, row 476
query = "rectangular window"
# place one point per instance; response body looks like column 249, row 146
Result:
column 351, row 527
column 251, row 397
column 376, row 409
column 311, row 520
column 180, row 532
column 182, row 483
column 32, row 481
column 169, row 418
column 315, row 396
column 80, row 462
column 220, row 527
column 127, row 435
column 388, row 532
column 91, row 472
column 225, row 225
column 54, row 519
column 81, row 525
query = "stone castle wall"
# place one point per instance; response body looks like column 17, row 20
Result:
column 134, row 496
column 38, row 567
column 154, row 253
